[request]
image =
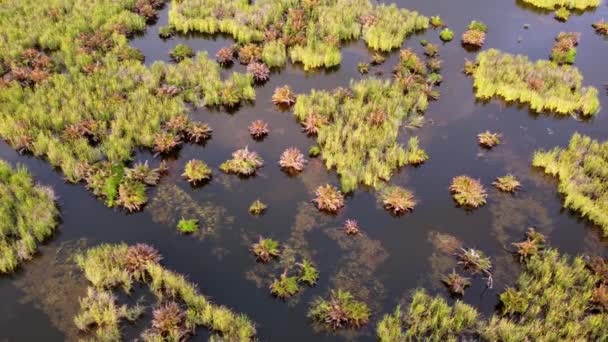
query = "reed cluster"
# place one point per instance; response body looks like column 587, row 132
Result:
column 545, row 86
column 583, row 177
column 28, row 216
column 180, row 307
column 309, row 33
column 340, row 310
column 571, row 4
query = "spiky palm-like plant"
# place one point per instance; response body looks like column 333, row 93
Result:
column 285, row 286
column 165, row 142
column 224, row 56
column 142, row 172
column 196, row 171
column 265, row 249
column 488, row 139
column 308, row 273
column 397, row 200
column 283, row 96
column 169, row 320
column 132, row 195
column 351, row 227
column 468, row 192
column 507, row 183
column 257, row 207
column 177, row 124
column 292, row 160
column 456, row 283
column 198, row 132
column 328, row 198
column 533, row 244
column 138, row 256
column 258, row 129
column 341, row 310
column 243, row 162
column 260, row 71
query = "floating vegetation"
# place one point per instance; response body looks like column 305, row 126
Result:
column 328, row 198
column 257, row 207
column 28, row 216
column 351, row 227
column 111, row 266
column 104, row 102
column 564, row 49
column 507, row 183
column 187, row 226
column 292, row 160
column 488, row 139
column 468, row 192
column 533, row 245
column 308, row 273
column 285, row 286
column 265, row 249
column 258, row 129
column 260, row 71
column 397, row 200
column 283, row 96
column 243, row 162
column 340, row 310
column 446, row 35
column 545, row 86
column 581, row 169
column 196, row 171
column 456, row 283
column 363, row 68
column 310, row 34
column 428, row 319
column 476, row 262
column 572, row 4
column 475, row 35
column 562, row 14
column 358, row 129
column 601, row 27
column 181, row 52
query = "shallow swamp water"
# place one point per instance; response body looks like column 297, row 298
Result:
column 394, row 255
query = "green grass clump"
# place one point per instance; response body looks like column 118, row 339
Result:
column 572, row 4
column 397, row 200
column 181, row 52
column 111, row 266
column 583, row 178
column 436, row 21
column 357, row 129
column 28, row 216
column 314, row 151
column 543, row 85
column 507, row 183
column 475, row 35
column 285, row 286
column 265, row 249
column 446, row 34
column 308, row 273
column 564, row 49
column 166, row 32
column 340, row 310
column 187, row 226
column 468, row 192
column 562, row 14
column 196, row 171
column 243, row 162
column 309, row 33
column 257, row 207
column 82, row 97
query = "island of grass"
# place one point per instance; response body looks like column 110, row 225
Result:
column 357, row 128
column 309, row 32
column 544, row 85
column 74, row 92
column 180, row 309
column 28, row 216
column 570, row 4
column 583, row 179
column 554, row 299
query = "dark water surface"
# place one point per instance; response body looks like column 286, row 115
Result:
column 394, row 255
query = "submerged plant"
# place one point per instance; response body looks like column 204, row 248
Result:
column 328, row 198
column 243, row 162
column 468, row 192
column 283, row 96
column 446, row 35
column 456, row 283
column 187, row 226
column 351, row 227
column 258, row 129
column 488, row 139
column 265, row 249
column 397, row 200
column 285, row 287
column 181, row 52
column 257, row 207
column 196, row 171
column 340, row 310
column 507, row 183
column 292, row 160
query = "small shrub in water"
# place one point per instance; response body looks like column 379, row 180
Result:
column 181, row 52
column 488, row 139
column 283, row 96
column 224, row 56
column 308, row 273
column 476, row 262
column 446, row 35
column 328, row 198
column 468, row 192
column 351, row 227
column 562, row 14
column 431, row 50
column 187, row 226
column 292, row 160
column 564, row 49
column 196, row 171
column 243, row 162
column 601, row 27
column 166, row 142
column 249, row 53
column 436, row 21
column 533, row 245
column 260, row 71
column 257, row 207
column 285, row 287
column 132, row 195
column 363, row 68
column 137, row 258
column 507, row 183
column 340, row 310
column 456, row 283
column 198, row 132
column 314, row 151
column 265, row 249
column 397, row 200
column 258, row 129
column 169, row 320
column 166, row 32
